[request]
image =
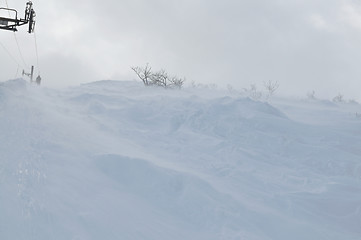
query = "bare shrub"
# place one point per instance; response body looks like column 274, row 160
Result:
column 311, row 95
column 144, row 73
column 194, row 84
column 176, row 82
column 232, row 90
column 252, row 92
column 338, row 98
column 159, row 78
column 353, row 101
column 271, row 87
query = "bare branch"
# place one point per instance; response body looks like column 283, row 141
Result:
column 271, row 87
column 159, row 78
column 144, row 74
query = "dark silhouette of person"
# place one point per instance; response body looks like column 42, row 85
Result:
column 38, row 80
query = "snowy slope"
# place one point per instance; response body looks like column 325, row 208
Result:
column 115, row 160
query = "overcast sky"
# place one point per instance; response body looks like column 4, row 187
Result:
column 304, row 45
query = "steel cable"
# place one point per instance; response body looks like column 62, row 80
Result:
column 16, row 39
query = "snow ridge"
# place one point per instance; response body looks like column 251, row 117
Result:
column 115, row 160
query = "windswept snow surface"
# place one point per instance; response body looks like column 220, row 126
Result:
column 116, row 160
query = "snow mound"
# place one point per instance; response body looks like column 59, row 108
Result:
column 180, row 194
column 12, row 87
column 116, row 160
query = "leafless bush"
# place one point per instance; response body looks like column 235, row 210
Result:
column 194, row 84
column 176, row 82
column 271, row 87
column 338, row 98
column 232, row 90
column 159, row 78
column 252, row 92
column 311, row 95
column 353, row 101
column 144, row 73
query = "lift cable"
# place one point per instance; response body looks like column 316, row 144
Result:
column 9, row 53
column 11, row 24
column 16, row 40
column 17, row 72
column 36, row 52
column 13, row 58
column 20, row 53
column 6, row 50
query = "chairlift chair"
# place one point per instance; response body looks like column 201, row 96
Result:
column 12, row 22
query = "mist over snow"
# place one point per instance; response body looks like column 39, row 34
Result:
column 117, row 160
column 305, row 45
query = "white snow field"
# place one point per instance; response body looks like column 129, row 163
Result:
column 115, row 160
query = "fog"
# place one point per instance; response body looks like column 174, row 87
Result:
column 303, row 45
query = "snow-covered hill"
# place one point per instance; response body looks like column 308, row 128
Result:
column 116, row 160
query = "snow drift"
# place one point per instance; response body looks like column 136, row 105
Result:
column 115, row 160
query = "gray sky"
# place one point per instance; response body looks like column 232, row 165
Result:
column 305, row 45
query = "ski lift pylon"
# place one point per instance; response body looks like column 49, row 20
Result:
column 30, row 75
column 12, row 22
